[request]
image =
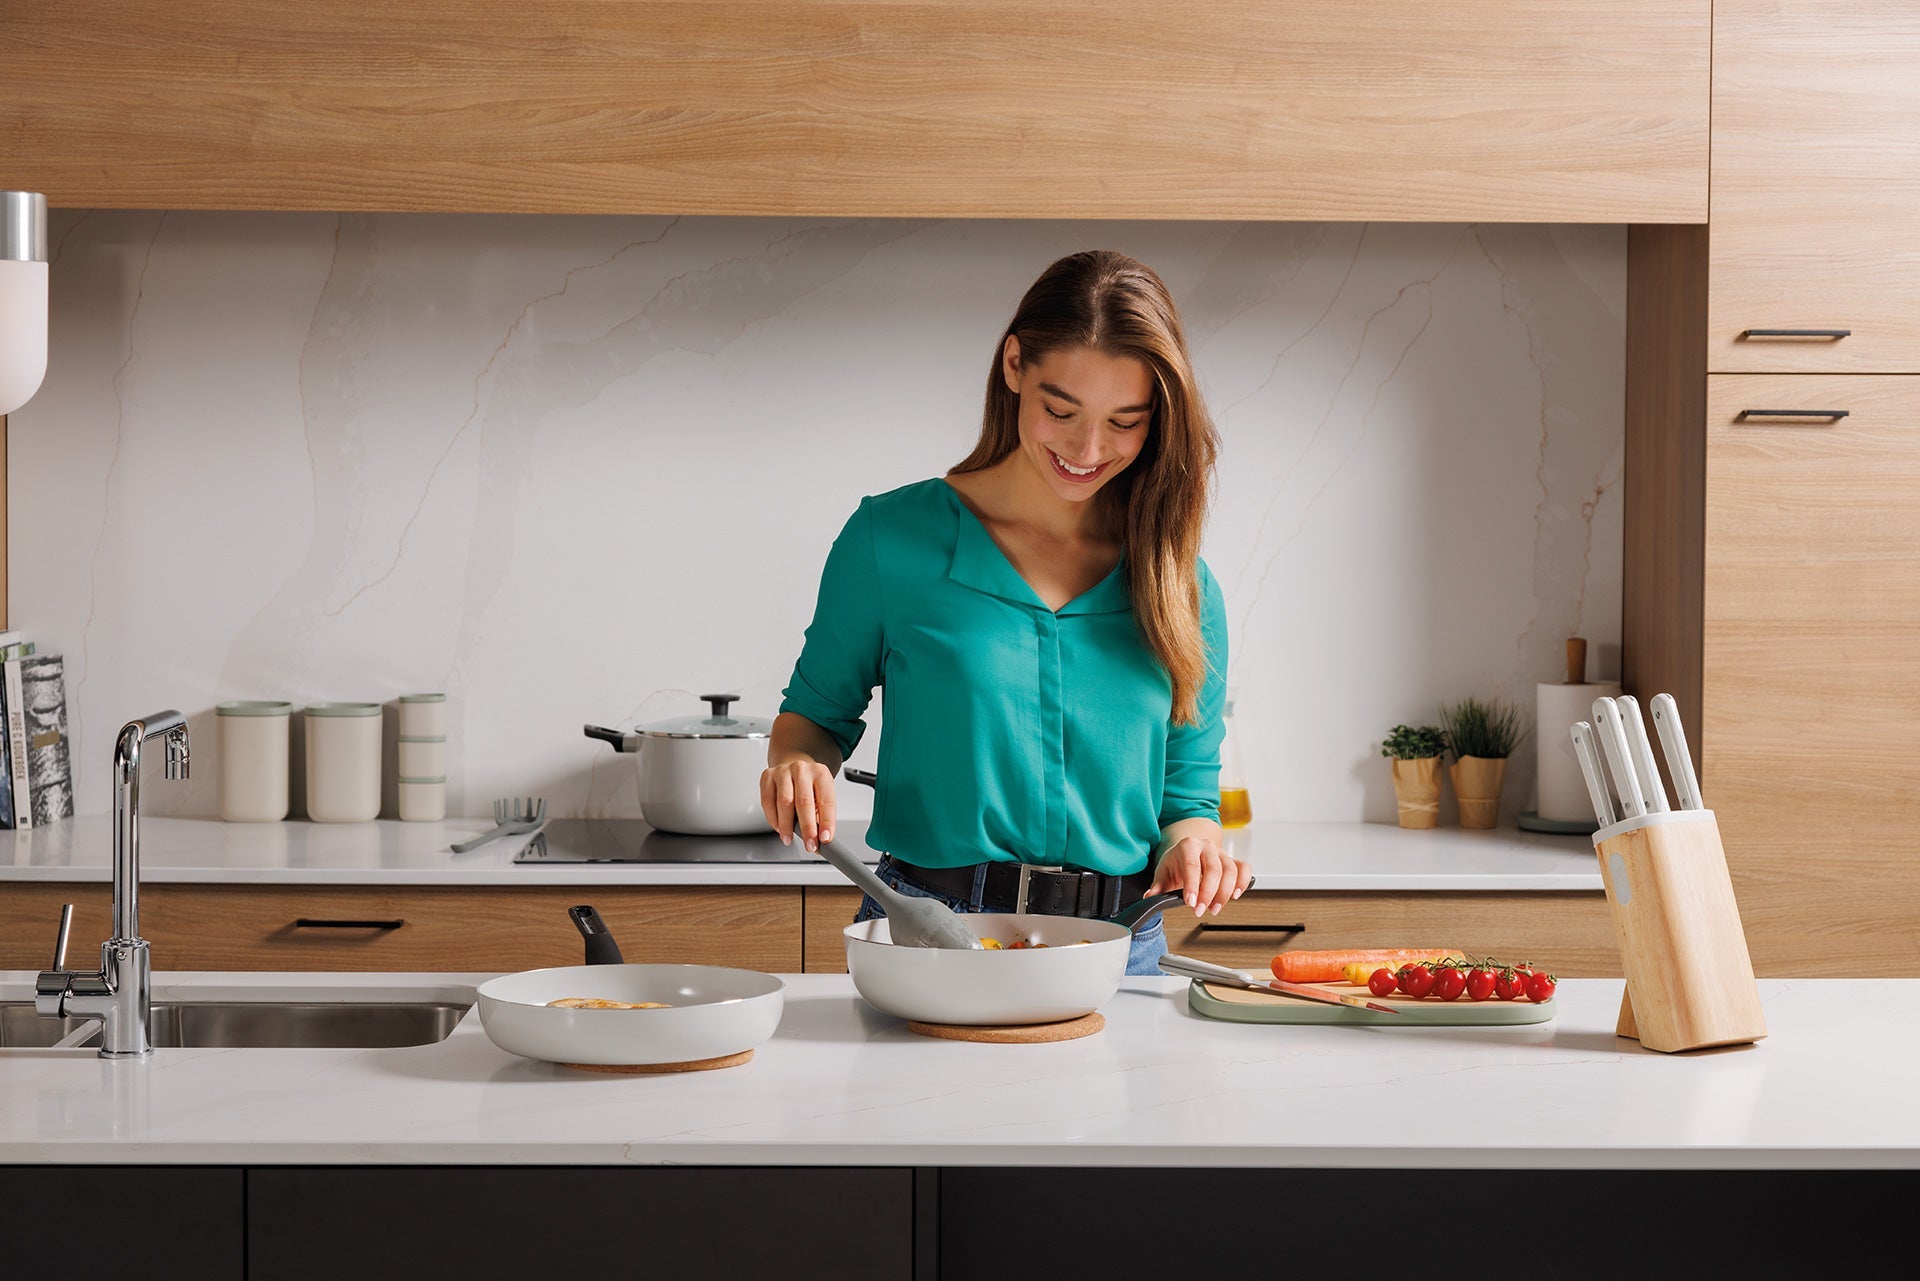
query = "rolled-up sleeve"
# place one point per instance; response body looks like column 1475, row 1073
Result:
column 1192, row 787
column 839, row 664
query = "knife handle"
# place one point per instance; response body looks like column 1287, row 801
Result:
column 1673, row 740
column 1613, row 741
column 1652, row 790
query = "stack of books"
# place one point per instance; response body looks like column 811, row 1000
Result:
column 36, row 785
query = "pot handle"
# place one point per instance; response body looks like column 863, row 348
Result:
column 604, row 734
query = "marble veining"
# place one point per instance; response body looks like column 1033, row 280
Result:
column 574, row 469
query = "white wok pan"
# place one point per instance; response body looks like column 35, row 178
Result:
column 993, row 988
column 716, row 1011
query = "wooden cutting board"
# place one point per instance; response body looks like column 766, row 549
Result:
column 1242, row 1005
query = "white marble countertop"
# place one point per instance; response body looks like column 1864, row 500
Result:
column 1285, row 856
column 842, row 1084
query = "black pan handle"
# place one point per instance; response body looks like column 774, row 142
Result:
column 1141, row 914
column 867, row 777
column 601, row 949
column 606, row 735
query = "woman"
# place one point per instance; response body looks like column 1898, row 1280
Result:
column 1052, row 648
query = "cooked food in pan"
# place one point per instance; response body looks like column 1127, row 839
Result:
column 598, row 1003
column 995, row 945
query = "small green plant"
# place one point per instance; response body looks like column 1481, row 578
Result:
column 1408, row 743
column 1490, row 729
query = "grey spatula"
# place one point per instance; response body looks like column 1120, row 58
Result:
column 913, row 922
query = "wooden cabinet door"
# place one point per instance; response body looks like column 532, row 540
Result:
column 1816, row 185
column 408, row 927
column 1811, row 682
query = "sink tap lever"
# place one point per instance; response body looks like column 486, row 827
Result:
column 60, row 939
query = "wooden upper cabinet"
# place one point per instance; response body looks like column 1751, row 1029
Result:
column 1556, row 110
column 1812, row 665
column 1816, row 185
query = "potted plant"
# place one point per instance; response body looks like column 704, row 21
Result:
column 1416, row 753
column 1482, row 736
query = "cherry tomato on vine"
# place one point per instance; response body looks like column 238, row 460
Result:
column 1381, row 982
column 1480, row 984
column 1510, row 985
column 1449, row 983
column 1416, row 980
column 1540, row 987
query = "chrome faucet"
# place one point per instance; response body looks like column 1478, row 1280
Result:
column 120, row 994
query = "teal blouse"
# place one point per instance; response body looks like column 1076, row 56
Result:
column 1011, row 731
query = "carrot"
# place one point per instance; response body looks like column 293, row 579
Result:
column 1331, row 966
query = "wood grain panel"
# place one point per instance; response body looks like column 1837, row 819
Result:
column 245, row 927
column 1812, row 668
column 1569, row 933
column 1559, row 110
column 1664, row 537
column 1816, row 184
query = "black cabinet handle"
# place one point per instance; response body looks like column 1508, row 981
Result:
column 1834, row 334
column 1834, row 414
column 1236, row 927
column 311, row 923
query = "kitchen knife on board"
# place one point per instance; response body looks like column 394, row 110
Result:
column 1207, row 972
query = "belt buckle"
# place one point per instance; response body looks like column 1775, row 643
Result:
column 1026, row 872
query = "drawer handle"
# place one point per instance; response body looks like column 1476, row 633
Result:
column 1833, row 334
column 1834, row 415
column 311, row 923
column 1238, row 927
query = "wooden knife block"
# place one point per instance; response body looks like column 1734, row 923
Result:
column 1689, row 976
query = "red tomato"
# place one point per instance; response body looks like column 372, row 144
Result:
column 1381, row 982
column 1540, row 987
column 1449, row 983
column 1416, row 980
column 1480, row 984
column 1510, row 985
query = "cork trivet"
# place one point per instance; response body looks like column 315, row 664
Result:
column 696, row 1065
column 1015, row 1034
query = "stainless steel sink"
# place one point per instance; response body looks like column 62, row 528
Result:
column 358, row 1025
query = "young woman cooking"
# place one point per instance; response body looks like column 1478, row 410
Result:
column 1052, row 647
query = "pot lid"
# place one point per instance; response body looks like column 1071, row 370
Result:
column 718, row 723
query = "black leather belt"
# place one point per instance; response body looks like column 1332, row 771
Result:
column 1024, row 887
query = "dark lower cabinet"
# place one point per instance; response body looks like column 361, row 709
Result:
column 150, row 1222
column 1482, row 1225
column 402, row 1224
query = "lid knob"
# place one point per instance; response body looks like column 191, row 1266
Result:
column 719, row 703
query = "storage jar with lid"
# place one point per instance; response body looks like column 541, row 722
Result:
column 343, row 762
column 253, row 760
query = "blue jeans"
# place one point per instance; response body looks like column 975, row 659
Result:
column 1149, row 945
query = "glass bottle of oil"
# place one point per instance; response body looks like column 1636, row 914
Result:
column 1236, row 809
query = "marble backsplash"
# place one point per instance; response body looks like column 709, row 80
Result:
column 580, row 469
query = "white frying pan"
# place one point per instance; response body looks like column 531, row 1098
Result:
column 993, row 988
column 715, row 1011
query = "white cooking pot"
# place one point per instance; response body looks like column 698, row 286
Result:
column 699, row 775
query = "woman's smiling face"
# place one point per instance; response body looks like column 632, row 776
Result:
column 1084, row 415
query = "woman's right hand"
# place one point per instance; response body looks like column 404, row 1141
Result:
column 797, row 796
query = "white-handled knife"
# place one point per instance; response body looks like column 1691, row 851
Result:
column 1673, row 741
column 1652, row 790
column 1613, row 741
column 1590, row 769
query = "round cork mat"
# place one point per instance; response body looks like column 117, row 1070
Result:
column 1015, row 1034
column 696, row 1065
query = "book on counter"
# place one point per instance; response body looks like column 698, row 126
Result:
column 36, row 771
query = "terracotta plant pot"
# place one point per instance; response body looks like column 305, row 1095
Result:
column 1416, row 785
column 1476, row 784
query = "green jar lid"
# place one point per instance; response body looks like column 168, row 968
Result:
column 252, row 707
column 441, row 779
column 423, row 698
column 423, row 738
column 343, row 709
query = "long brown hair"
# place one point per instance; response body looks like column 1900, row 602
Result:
column 1157, row 507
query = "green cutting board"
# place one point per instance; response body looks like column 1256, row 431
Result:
column 1242, row 1005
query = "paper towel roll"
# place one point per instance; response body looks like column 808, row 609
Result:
column 1563, row 792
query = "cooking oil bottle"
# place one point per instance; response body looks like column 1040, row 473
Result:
column 1236, row 809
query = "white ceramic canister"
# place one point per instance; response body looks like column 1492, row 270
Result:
column 253, row 760
column 423, row 716
column 423, row 756
column 423, row 800
column 343, row 762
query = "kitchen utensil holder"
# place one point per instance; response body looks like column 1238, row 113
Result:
column 1689, row 974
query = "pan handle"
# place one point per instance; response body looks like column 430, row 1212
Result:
column 601, row 949
column 866, row 777
column 1140, row 915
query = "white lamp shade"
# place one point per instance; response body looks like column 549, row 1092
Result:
column 23, row 331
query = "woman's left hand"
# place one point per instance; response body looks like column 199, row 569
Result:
column 1194, row 858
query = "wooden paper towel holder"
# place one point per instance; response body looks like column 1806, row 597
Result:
column 1689, row 975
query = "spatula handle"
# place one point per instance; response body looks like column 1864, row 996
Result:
column 860, row 874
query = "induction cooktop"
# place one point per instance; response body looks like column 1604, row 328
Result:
column 631, row 840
